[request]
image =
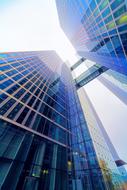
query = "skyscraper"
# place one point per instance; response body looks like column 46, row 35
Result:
column 97, row 29
column 49, row 137
column 116, row 82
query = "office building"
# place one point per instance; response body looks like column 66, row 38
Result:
column 97, row 29
column 49, row 137
column 116, row 82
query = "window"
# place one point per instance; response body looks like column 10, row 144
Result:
column 28, row 85
column 41, row 95
column 110, row 25
column 88, row 12
column 110, row 18
column 2, row 77
column 13, row 88
column 93, row 5
column 25, row 98
column 119, row 11
column 112, row 32
column 10, row 73
column 115, row 4
column 106, row 12
column 103, row 5
column 122, row 28
column 6, row 84
column 32, row 88
column 30, row 118
column 124, row 41
column 31, row 101
column 116, row 41
column 5, row 68
column 22, row 115
column 41, row 124
column 23, row 81
column 3, row 97
column 6, row 106
column 15, row 111
column 17, row 77
column 122, row 20
column 36, row 122
column 96, row 12
column 19, row 93
column 37, row 92
column 15, row 64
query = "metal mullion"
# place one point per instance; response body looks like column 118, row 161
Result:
column 35, row 68
column 99, row 14
column 27, row 99
column 10, row 109
column 18, row 114
column 58, row 96
column 25, row 105
column 7, row 88
column 54, row 109
column 33, row 120
column 117, row 33
column 33, row 131
column 22, row 86
column 5, row 101
column 35, row 102
column 26, row 117
column 107, row 31
column 119, row 17
column 101, row 38
column 55, row 101
column 6, row 79
column 15, row 92
column 15, row 68
column 6, row 62
column 117, row 8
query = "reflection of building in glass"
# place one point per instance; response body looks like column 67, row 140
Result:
column 97, row 29
column 47, row 139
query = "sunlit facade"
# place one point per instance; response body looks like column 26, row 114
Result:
column 97, row 29
column 116, row 82
column 47, row 140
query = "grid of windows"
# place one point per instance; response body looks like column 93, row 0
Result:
column 95, row 28
column 104, row 26
column 31, row 161
column 33, row 120
column 101, row 34
column 45, row 142
column 32, row 94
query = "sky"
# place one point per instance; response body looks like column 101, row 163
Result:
column 32, row 25
column 27, row 25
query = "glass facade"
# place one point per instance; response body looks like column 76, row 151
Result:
column 114, row 81
column 45, row 136
column 100, row 30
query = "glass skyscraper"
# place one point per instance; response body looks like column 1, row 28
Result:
column 116, row 82
column 49, row 137
column 97, row 29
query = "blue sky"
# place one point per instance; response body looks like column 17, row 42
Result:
column 34, row 25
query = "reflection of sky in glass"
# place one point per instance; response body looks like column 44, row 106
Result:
column 24, row 26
